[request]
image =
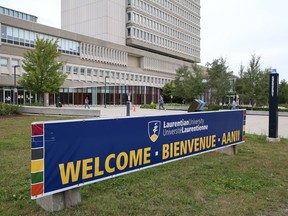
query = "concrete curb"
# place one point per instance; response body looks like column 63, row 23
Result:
column 60, row 111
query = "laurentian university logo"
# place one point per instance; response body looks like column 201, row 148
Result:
column 154, row 130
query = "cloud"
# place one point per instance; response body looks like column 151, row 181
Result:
column 236, row 29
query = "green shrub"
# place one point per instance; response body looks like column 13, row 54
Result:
column 35, row 104
column 148, row 106
column 9, row 109
column 213, row 107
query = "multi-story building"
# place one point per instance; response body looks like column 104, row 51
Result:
column 111, row 49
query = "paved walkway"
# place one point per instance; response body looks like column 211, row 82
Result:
column 255, row 124
column 260, row 124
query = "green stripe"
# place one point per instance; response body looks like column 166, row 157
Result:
column 36, row 177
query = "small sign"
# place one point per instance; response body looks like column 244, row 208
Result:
column 274, row 70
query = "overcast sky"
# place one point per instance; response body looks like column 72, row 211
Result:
column 232, row 29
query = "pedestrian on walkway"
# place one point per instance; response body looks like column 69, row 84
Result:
column 234, row 104
column 161, row 102
column 86, row 103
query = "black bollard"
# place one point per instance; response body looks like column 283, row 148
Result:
column 273, row 105
column 128, row 108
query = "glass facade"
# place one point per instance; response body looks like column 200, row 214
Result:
column 22, row 37
column 18, row 14
column 115, row 95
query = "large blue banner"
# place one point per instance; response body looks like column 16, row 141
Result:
column 79, row 152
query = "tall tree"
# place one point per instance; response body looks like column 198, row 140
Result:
column 240, row 85
column 189, row 84
column 253, row 84
column 283, row 92
column 42, row 68
column 262, row 87
column 252, row 77
column 218, row 79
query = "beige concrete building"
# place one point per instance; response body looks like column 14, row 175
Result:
column 126, row 48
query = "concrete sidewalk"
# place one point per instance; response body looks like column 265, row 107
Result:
column 257, row 124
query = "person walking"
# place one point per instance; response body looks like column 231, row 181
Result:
column 234, row 103
column 86, row 103
column 161, row 102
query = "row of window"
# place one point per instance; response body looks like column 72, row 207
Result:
column 159, row 65
column 161, row 41
column 92, row 74
column 5, row 62
column 187, row 3
column 17, row 14
column 148, row 8
column 103, row 54
column 73, row 71
column 111, row 76
column 27, row 38
column 180, row 11
column 146, row 22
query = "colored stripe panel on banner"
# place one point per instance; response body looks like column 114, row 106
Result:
column 37, row 129
column 37, row 177
column 37, row 142
column 244, row 125
column 37, row 154
column 37, row 189
column 37, row 166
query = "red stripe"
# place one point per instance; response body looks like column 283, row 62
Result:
column 37, row 130
column 37, row 189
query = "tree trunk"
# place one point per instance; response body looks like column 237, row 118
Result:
column 46, row 99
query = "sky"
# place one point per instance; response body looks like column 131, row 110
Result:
column 232, row 29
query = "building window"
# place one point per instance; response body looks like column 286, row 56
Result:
column 82, row 71
column 68, row 70
column 89, row 71
column 95, row 73
column 75, row 70
column 3, row 62
column 101, row 73
column 15, row 62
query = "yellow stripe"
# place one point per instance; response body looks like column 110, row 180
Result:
column 244, row 127
column 37, row 166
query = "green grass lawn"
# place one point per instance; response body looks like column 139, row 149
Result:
column 253, row 182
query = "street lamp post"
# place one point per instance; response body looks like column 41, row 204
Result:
column 15, row 87
column 105, row 92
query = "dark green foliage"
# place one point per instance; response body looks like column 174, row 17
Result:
column 169, row 90
column 283, row 92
